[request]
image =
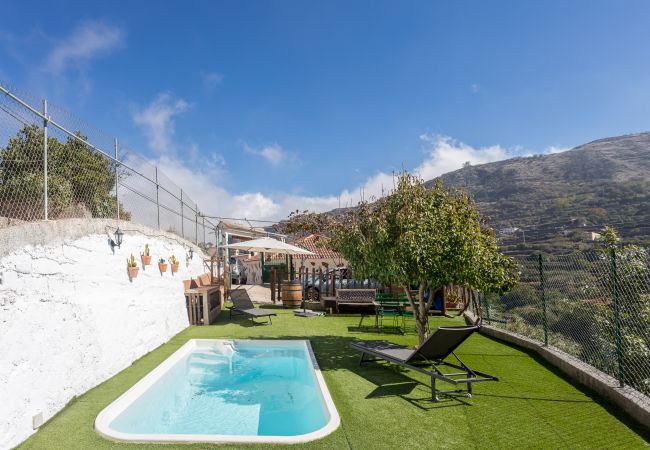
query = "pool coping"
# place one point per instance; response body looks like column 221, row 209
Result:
column 109, row 413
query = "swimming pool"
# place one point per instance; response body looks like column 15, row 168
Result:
column 216, row 390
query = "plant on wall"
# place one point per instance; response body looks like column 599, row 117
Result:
column 132, row 267
column 174, row 263
column 146, row 257
column 162, row 265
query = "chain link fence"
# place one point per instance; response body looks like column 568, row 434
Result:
column 593, row 305
column 53, row 165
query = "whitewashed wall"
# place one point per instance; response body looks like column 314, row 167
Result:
column 70, row 317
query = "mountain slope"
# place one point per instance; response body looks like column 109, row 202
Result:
column 552, row 197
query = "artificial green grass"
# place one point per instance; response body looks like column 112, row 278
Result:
column 384, row 407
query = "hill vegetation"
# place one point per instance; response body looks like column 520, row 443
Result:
column 552, row 202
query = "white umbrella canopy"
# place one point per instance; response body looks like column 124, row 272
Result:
column 269, row 245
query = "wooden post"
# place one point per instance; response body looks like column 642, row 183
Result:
column 272, row 285
column 320, row 281
column 279, row 283
column 327, row 281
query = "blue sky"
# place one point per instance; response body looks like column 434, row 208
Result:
column 256, row 108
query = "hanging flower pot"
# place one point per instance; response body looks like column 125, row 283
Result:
column 162, row 266
column 132, row 267
column 146, row 257
column 174, row 263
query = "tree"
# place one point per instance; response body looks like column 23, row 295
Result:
column 300, row 223
column 431, row 238
column 78, row 177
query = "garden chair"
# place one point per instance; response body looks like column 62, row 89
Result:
column 432, row 352
column 243, row 305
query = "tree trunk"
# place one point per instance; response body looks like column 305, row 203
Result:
column 477, row 306
column 420, row 311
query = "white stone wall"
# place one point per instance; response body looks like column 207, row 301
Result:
column 70, row 317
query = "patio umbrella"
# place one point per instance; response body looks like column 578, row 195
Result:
column 271, row 245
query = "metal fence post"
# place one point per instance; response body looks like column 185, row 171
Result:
column 196, row 223
column 157, row 196
column 618, row 338
column 203, row 217
column 45, row 196
column 117, row 183
column 182, row 217
column 543, row 297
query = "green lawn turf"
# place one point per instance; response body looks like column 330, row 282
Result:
column 384, row 407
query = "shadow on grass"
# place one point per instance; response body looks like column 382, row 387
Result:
column 375, row 330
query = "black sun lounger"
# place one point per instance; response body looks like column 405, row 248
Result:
column 242, row 305
column 432, row 352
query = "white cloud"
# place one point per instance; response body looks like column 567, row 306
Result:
column 211, row 80
column 157, row 120
column 446, row 154
column 217, row 159
column 273, row 153
column 203, row 185
column 89, row 40
column 556, row 149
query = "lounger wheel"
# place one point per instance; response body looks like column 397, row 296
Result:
column 468, row 395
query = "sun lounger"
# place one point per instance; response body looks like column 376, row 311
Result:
column 243, row 305
column 432, row 352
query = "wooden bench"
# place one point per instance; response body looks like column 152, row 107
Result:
column 356, row 298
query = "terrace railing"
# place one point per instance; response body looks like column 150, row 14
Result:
column 53, row 165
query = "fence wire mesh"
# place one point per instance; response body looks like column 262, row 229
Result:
column 593, row 305
column 88, row 174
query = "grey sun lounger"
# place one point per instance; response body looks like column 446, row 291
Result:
column 432, row 352
column 242, row 305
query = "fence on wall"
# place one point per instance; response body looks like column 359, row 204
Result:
column 593, row 305
column 54, row 166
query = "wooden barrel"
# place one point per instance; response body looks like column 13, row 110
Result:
column 291, row 294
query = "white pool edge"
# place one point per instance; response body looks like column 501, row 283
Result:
column 108, row 414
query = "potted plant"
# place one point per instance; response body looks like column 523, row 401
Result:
column 174, row 263
column 132, row 267
column 162, row 265
column 146, row 257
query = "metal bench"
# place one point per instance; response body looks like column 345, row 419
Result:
column 363, row 299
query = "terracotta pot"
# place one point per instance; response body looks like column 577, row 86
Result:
column 162, row 267
column 175, row 267
column 133, row 272
column 146, row 260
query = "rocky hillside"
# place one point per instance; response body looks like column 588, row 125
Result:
column 552, row 200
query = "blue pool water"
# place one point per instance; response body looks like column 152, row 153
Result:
column 232, row 388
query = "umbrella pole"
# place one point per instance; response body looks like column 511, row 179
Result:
column 304, row 312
